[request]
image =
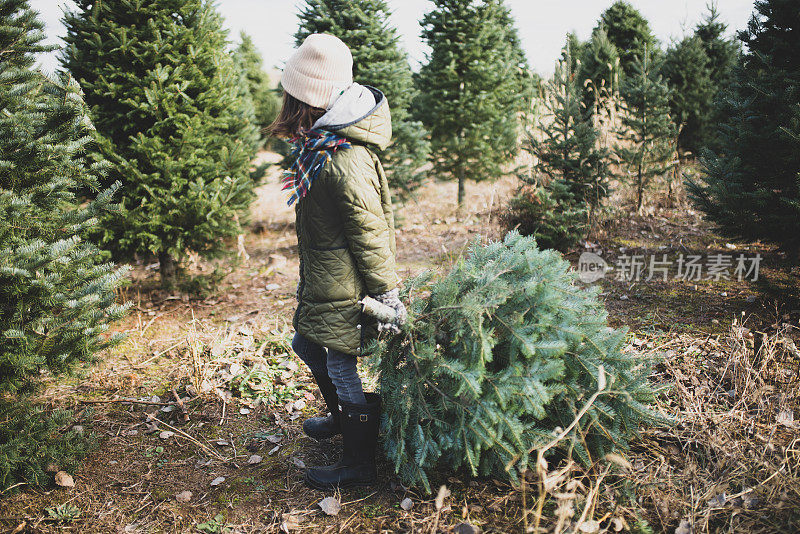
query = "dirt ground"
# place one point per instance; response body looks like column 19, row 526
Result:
column 730, row 465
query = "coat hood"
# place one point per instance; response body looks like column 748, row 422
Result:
column 361, row 114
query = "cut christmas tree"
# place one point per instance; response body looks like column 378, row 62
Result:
column 497, row 356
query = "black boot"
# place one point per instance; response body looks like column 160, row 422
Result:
column 359, row 438
column 325, row 427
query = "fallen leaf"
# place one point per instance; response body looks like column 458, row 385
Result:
column 244, row 411
column 64, row 480
column 217, row 481
column 254, row 459
column 274, row 438
column 590, row 527
column 222, row 443
column 441, row 496
column 184, row 496
column 406, row 504
column 684, row 528
column 166, row 434
column 786, row 418
column 299, row 405
column 330, row 505
column 619, row 460
column 273, row 450
column 168, row 409
column 290, row 522
column 299, row 463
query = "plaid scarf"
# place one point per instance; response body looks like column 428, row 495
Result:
column 312, row 150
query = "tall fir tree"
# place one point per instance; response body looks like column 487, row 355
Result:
column 576, row 48
column 751, row 188
column 571, row 174
column 57, row 292
column 648, row 133
column 599, row 71
column 473, row 88
column 265, row 100
column 628, row 31
column 379, row 61
column 723, row 53
column 722, row 50
column 170, row 117
column 687, row 70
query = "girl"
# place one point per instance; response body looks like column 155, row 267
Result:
column 345, row 234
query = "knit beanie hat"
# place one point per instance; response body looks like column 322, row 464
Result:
column 321, row 65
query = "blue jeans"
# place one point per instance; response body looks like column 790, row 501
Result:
column 340, row 367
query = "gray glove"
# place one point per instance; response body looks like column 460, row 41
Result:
column 392, row 299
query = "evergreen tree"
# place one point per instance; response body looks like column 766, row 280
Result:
column 164, row 96
column 628, row 31
column 571, row 172
column 57, row 292
column 265, row 100
column 550, row 212
column 473, row 88
column 599, row 71
column 576, row 48
column 723, row 56
column 752, row 182
column 723, row 52
column 496, row 356
column 32, row 438
column 687, row 70
column 379, row 61
column 648, row 132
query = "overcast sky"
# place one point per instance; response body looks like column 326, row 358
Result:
column 542, row 24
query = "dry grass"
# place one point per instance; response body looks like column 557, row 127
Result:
column 730, row 464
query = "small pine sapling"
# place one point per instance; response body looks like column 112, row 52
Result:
column 647, row 136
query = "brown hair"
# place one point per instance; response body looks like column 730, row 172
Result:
column 294, row 117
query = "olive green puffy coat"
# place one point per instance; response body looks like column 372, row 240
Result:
column 345, row 234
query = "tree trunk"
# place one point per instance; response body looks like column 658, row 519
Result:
column 639, row 191
column 167, row 269
column 461, row 188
